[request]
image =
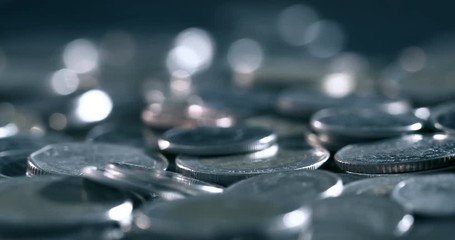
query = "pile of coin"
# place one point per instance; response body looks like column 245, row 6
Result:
column 312, row 168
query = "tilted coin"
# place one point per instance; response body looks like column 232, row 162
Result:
column 71, row 158
column 203, row 141
column 288, row 155
column 398, row 155
column 381, row 216
column 295, row 187
column 377, row 186
column 222, row 217
column 33, row 206
column 364, row 123
column 303, row 103
column 443, row 117
column 430, row 195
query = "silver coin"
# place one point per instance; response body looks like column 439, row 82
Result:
column 49, row 203
column 377, row 186
column 203, row 141
column 295, row 187
column 381, row 216
column 303, row 103
column 430, row 195
column 364, row 123
column 398, row 155
column 282, row 127
column 71, row 158
column 222, row 217
column 443, row 117
column 286, row 156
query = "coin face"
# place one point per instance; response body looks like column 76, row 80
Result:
column 203, row 141
column 225, row 170
column 71, row 158
column 364, row 123
column 381, row 216
column 55, row 203
column 294, row 187
column 223, row 217
column 377, row 186
column 430, row 195
column 398, row 155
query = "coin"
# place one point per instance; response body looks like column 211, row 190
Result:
column 288, row 155
column 295, row 187
column 70, row 158
column 377, row 186
column 398, row 155
column 202, row 141
column 303, row 103
column 443, row 117
column 364, row 123
column 380, row 216
column 170, row 114
column 430, row 195
column 222, row 217
column 33, row 206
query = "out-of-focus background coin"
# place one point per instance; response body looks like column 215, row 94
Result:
column 70, row 158
column 404, row 154
column 216, row 141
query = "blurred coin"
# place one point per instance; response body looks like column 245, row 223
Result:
column 222, row 217
column 70, row 158
column 280, row 126
column 364, row 123
column 59, row 204
column 203, row 141
column 125, row 133
column 398, row 155
column 288, row 155
column 294, row 187
column 443, row 117
column 430, row 195
column 170, row 114
column 303, row 103
column 376, row 215
column 377, row 186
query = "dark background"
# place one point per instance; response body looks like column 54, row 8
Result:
column 372, row 27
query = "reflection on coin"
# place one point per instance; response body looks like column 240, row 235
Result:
column 59, row 203
column 430, row 195
column 404, row 154
column 70, row 158
column 443, row 117
column 222, row 217
column 377, row 186
column 303, row 103
column 381, row 216
column 295, row 187
column 364, row 123
column 203, row 141
column 288, row 155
